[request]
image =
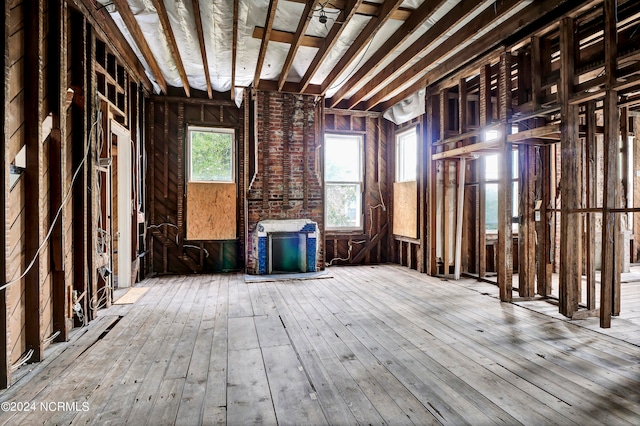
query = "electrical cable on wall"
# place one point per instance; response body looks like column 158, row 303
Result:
column 63, row 203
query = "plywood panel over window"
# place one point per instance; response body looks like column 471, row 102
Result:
column 405, row 209
column 211, row 211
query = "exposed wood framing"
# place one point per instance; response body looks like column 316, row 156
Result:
column 526, row 231
column 361, row 42
column 57, row 154
column 485, row 18
column 483, row 44
column 462, row 167
column 297, row 41
column 610, row 228
column 382, row 80
column 132, row 25
column 571, row 179
column 591, row 169
column 234, row 49
column 5, row 347
column 271, row 14
column 203, row 50
column 415, row 20
column 33, row 107
column 505, row 185
column 171, row 42
column 330, row 40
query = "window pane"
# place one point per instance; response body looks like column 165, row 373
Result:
column 406, row 156
column 491, row 167
column 343, row 205
column 491, row 207
column 211, row 156
column 342, row 158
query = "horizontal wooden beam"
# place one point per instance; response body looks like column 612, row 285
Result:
column 467, row 150
column 287, row 37
column 368, row 9
column 538, row 132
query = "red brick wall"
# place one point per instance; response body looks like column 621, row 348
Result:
column 288, row 180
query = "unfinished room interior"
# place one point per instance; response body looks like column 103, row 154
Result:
column 320, row 212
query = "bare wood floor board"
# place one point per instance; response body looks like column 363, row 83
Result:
column 371, row 345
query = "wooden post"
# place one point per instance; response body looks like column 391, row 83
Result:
column 526, row 232
column 505, row 184
column 591, row 168
column 431, row 176
column 446, row 189
column 485, row 117
column 58, row 162
column 5, row 332
column 33, row 175
column 636, row 187
column 622, row 201
column 610, row 187
column 571, row 179
column 462, row 166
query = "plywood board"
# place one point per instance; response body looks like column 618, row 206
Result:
column 405, row 209
column 131, row 296
column 211, row 211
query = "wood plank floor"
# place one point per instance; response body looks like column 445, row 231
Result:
column 625, row 326
column 366, row 345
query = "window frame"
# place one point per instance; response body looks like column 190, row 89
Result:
column 360, row 183
column 211, row 129
column 399, row 158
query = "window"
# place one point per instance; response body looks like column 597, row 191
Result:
column 492, row 165
column 343, row 181
column 406, row 155
column 211, row 154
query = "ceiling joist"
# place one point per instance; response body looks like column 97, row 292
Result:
column 203, row 50
column 297, row 40
column 173, row 46
column 130, row 21
column 334, row 33
column 428, row 39
column 362, row 41
column 234, row 49
column 271, row 14
column 486, row 42
column 369, row 9
column 417, row 18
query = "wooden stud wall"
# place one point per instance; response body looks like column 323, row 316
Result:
column 557, row 95
column 47, row 110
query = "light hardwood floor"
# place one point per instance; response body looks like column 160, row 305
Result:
column 368, row 345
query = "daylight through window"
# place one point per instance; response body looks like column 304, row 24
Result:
column 343, row 181
column 406, row 155
column 211, row 154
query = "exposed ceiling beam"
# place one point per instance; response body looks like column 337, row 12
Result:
column 234, row 50
column 111, row 34
column 271, row 14
column 369, row 9
column 417, row 49
column 485, row 18
column 336, row 29
column 362, row 41
column 203, row 50
column 130, row 21
column 417, row 18
column 287, row 37
column 297, row 39
column 173, row 46
column 493, row 38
